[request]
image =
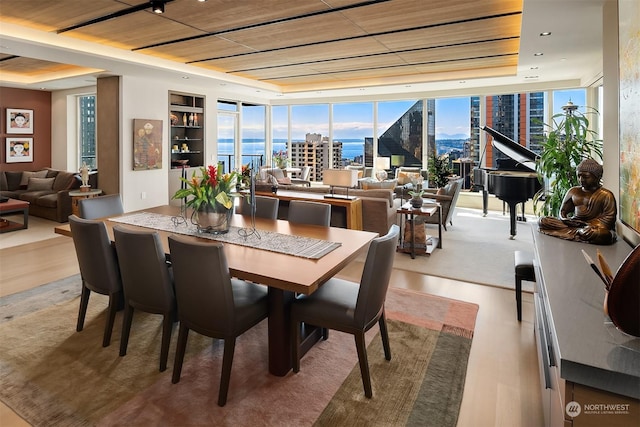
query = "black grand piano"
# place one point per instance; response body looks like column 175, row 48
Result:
column 515, row 179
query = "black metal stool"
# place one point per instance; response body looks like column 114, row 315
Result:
column 523, row 271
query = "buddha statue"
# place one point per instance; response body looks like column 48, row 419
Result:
column 588, row 211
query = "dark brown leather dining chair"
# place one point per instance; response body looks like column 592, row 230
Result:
column 212, row 303
column 99, row 269
column 147, row 283
column 351, row 307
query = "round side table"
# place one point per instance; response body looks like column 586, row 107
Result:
column 77, row 195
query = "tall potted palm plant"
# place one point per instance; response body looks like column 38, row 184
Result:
column 568, row 141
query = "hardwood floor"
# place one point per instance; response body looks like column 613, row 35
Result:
column 502, row 386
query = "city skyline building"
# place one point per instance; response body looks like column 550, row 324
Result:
column 315, row 152
column 517, row 116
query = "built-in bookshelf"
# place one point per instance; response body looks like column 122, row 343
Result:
column 187, row 137
column 186, row 116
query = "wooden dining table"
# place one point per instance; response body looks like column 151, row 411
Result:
column 284, row 275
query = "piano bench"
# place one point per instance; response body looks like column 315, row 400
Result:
column 523, row 271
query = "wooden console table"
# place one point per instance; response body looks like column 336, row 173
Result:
column 588, row 368
column 353, row 207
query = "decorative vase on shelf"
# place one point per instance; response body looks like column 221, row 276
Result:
column 212, row 219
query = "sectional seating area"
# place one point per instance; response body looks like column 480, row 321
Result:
column 380, row 199
column 47, row 191
column 379, row 205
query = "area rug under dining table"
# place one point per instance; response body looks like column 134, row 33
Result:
column 52, row 375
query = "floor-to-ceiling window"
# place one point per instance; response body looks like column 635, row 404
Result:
column 453, row 142
column 279, row 129
column 253, row 135
column 400, row 136
column 452, row 120
column 227, row 134
column 352, row 124
column 87, row 131
column 311, row 142
column 333, row 135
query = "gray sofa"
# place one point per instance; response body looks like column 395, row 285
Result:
column 47, row 191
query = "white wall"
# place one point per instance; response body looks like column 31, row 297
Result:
column 149, row 99
column 141, row 99
column 64, row 128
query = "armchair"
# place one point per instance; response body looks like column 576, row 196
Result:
column 447, row 196
column 304, row 177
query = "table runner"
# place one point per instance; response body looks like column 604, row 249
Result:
column 300, row 246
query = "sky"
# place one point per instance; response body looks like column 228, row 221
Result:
column 453, row 117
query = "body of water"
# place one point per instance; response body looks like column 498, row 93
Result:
column 351, row 148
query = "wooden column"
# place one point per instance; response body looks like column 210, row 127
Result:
column 108, row 134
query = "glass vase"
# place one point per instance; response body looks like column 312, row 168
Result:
column 212, row 219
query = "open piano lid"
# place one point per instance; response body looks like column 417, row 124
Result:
column 509, row 147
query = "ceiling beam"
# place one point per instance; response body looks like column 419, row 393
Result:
column 114, row 15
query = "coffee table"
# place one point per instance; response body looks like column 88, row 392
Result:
column 14, row 206
column 429, row 208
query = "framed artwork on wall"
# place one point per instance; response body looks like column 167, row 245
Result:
column 629, row 101
column 19, row 121
column 19, row 150
column 147, row 144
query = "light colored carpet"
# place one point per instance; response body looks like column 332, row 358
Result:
column 38, row 229
column 55, row 376
column 475, row 249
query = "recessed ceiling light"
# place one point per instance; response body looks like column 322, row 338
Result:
column 545, row 33
column 157, row 6
column 538, row 54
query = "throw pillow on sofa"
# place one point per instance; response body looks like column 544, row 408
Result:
column 372, row 185
column 40, row 184
column 27, row 174
column 64, row 181
column 407, row 177
column 13, row 180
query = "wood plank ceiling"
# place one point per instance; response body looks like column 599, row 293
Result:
column 300, row 45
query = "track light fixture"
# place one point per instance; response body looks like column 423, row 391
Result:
column 157, row 6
